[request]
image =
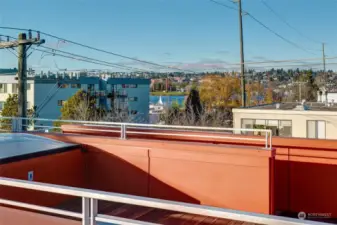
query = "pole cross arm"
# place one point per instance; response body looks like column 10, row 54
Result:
column 13, row 44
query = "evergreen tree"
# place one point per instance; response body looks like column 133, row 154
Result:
column 193, row 106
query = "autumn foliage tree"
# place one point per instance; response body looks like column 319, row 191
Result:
column 10, row 109
column 219, row 92
column 81, row 106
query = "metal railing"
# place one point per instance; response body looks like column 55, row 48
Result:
column 48, row 125
column 90, row 198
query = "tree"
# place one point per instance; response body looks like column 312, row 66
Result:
column 10, row 109
column 311, row 86
column 193, row 106
column 81, row 106
column 269, row 96
column 219, row 92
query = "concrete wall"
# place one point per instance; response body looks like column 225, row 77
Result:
column 299, row 119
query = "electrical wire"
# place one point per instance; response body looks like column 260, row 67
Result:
column 78, row 59
column 100, row 61
column 100, row 50
column 87, row 58
column 265, row 26
column 286, row 22
column 228, row 64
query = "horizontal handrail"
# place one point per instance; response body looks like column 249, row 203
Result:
column 124, row 129
column 142, row 125
column 155, row 203
column 41, row 208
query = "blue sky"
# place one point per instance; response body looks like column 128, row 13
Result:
column 189, row 33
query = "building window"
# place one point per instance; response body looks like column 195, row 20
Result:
column 15, row 88
column 133, row 85
column 133, row 99
column 133, row 112
column 60, row 102
column 3, row 88
column 91, row 87
column 316, row 129
column 2, row 104
column 280, row 128
column 63, row 85
column 129, row 85
column 75, row 85
column 285, row 128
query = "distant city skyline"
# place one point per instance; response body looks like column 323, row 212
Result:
column 190, row 34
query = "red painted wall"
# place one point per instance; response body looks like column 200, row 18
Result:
column 63, row 169
column 304, row 169
column 205, row 174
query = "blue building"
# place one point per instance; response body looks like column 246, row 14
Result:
column 125, row 99
column 129, row 98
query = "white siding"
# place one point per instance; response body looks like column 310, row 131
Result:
column 299, row 120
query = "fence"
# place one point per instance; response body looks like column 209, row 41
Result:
column 124, row 129
column 90, row 198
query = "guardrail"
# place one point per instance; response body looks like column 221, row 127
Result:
column 90, row 198
column 146, row 129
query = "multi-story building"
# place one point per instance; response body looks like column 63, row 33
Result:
column 48, row 92
column 306, row 120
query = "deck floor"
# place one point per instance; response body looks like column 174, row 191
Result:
column 150, row 214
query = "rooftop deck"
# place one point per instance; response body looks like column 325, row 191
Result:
column 163, row 175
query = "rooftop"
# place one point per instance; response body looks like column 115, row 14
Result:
column 141, row 174
column 14, row 147
column 307, row 106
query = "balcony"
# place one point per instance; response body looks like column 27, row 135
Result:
column 121, row 173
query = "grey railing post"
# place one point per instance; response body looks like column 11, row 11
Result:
column 93, row 211
column 16, row 124
column 85, row 211
column 123, row 131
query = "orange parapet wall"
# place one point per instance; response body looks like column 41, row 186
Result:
column 304, row 169
column 217, row 175
column 65, row 168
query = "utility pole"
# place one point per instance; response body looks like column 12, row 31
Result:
column 300, row 89
column 324, row 73
column 23, row 44
column 243, row 81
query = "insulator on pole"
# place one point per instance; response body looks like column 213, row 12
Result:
column 38, row 35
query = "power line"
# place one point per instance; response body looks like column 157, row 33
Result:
column 100, row 50
column 88, row 58
column 224, row 5
column 74, row 58
column 228, row 64
column 285, row 21
column 265, row 26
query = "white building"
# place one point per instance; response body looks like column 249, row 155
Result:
column 49, row 91
column 310, row 120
